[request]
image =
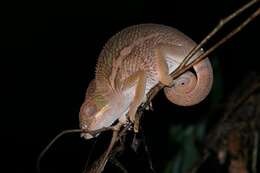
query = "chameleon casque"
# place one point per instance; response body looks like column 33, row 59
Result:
column 131, row 63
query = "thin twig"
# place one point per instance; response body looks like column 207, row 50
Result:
column 51, row 143
column 213, row 32
column 222, row 41
column 100, row 164
column 108, row 151
column 119, row 149
column 93, row 133
column 89, row 156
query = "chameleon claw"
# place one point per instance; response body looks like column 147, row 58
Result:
column 136, row 127
column 149, row 107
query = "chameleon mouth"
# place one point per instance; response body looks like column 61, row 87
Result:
column 85, row 135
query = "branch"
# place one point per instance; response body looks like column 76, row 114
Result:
column 214, row 31
column 99, row 165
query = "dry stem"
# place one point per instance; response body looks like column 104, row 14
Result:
column 213, row 32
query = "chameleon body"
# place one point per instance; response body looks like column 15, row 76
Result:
column 131, row 63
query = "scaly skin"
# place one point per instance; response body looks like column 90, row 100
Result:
column 131, row 63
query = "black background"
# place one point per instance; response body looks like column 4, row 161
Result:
column 52, row 57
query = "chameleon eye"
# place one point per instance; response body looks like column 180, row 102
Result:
column 90, row 109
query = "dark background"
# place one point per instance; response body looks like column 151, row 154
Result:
column 52, row 57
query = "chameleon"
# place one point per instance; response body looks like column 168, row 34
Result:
column 130, row 64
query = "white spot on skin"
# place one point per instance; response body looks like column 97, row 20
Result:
column 84, row 126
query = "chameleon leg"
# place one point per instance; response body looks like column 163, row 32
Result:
column 139, row 93
column 161, row 52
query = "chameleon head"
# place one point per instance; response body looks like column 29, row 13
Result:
column 100, row 109
column 91, row 113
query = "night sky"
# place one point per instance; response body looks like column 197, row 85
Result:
column 52, row 57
